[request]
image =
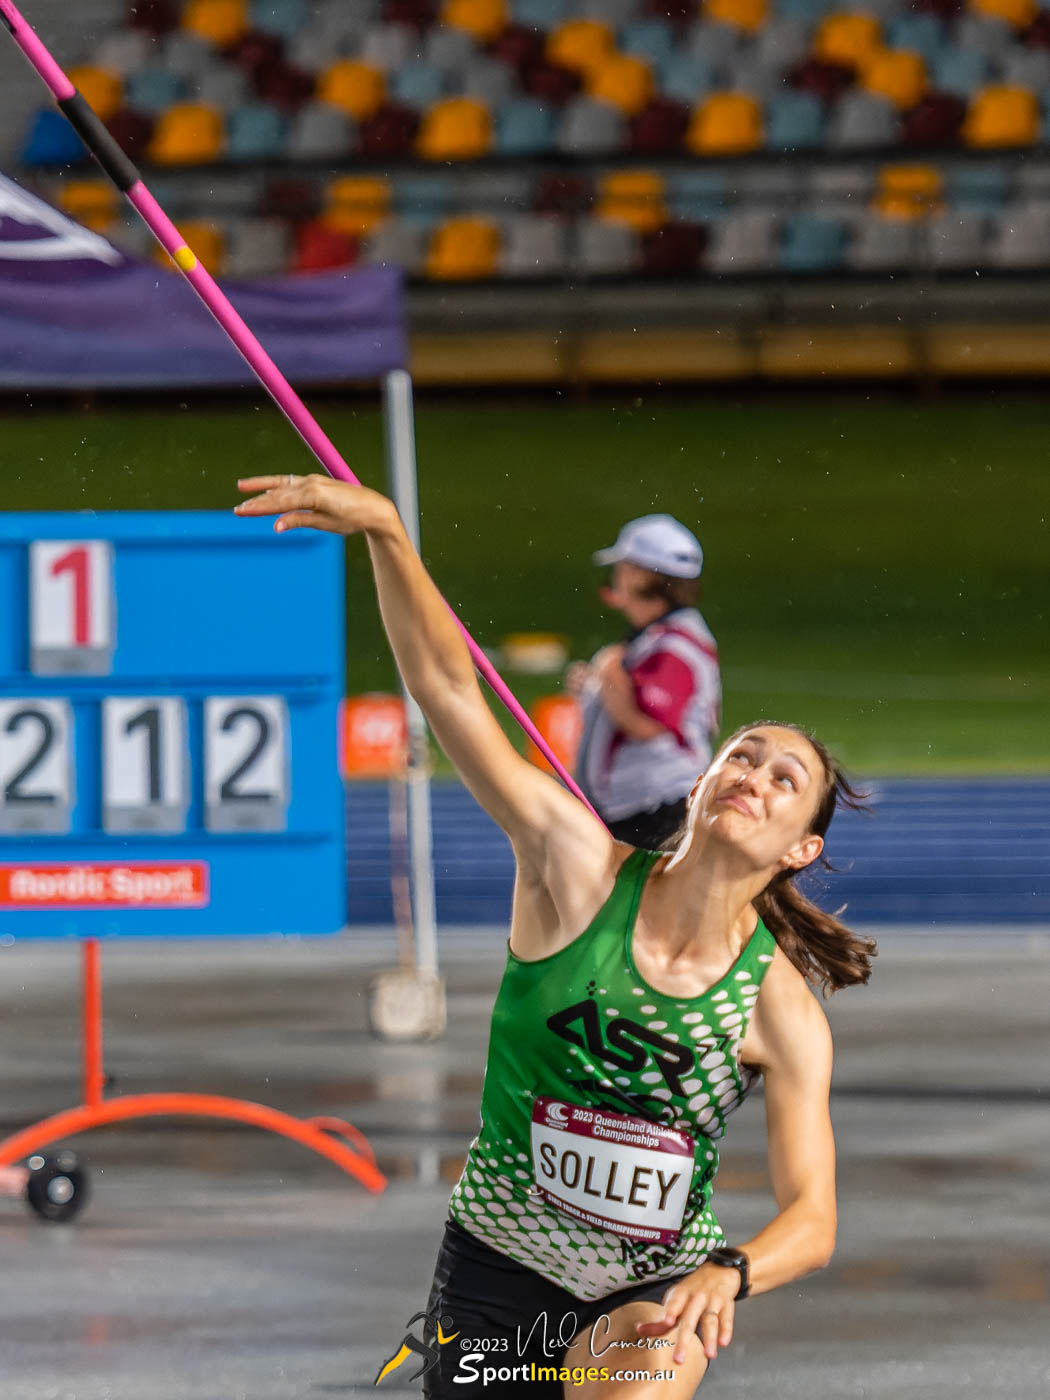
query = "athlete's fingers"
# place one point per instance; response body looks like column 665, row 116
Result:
column 708, row 1332
column 690, row 1322
column 672, row 1303
column 728, row 1317
column 303, row 519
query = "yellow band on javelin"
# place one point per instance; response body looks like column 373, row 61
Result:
column 185, row 259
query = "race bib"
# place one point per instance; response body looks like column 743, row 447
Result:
column 611, row 1170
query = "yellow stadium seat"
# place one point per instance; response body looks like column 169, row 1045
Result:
column 458, row 128
column 580, row 44
column 623, row 82
column 482, row 18
column 749, row 15
column 221, row 22
column 357, row 204
column 1002, row 116
column 633, row 197
column 462, row 249
column 205, row 240
column 93, row 203
column 908, row 191
column 727, row 123
column 847, row 39
column 896, row 74
column 355, row 87
column 187, row 134
column 1019, row 13
column 101, row 90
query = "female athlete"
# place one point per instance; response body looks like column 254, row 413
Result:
column 643, row 997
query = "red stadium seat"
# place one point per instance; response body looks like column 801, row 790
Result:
column 156, row 16
column 132, row 131
column 1038, row 34
column 673, row 250
column 562, row 194
column 519, row 46
column 936, row 121
column 318, row 248
column 286, row 87
column 390, row 131
column 417, row 14
column 550, row 82
column 661, row 128
column 256, row 50
column 828, row 81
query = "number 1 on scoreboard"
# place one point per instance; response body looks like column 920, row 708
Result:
column 145, row 764
column 72, row 608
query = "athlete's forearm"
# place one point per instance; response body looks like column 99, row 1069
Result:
column 427, row 644
column 795, row 1242
column 617, row 697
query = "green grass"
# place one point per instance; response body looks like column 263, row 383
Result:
column 878, row 571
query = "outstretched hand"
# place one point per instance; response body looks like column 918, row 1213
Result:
column 316, row 502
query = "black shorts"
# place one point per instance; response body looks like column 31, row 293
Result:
column 653, row 831
column 482, row 1295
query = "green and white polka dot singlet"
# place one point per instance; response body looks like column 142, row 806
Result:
column 584, row 1028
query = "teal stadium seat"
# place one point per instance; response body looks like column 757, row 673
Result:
column 153, row 90
column 981, row 188
column 541, row 14
column 524, row 127
column 794, row 122
column 812, row 243
column 423, row 199
column 185, row 55
column 687, row 78
column 960, row 71
column 418, row 84
column 283, row 17
column 651, row 39
column 714, row 44
column 255, row 132
column 697, row 196
column 923, row 34
column 812, row 11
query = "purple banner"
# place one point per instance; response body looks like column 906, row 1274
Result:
column 75, row 313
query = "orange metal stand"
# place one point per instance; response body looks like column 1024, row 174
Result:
column 333, row 1138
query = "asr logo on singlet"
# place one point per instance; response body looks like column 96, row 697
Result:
column 628, row 1046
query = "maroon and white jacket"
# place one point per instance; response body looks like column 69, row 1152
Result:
column 674, row 666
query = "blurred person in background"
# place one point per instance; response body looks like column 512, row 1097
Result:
column 651, row 704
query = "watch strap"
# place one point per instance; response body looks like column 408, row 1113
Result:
column 728, row 1258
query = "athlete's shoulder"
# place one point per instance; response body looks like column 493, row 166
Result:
column 788, row 1019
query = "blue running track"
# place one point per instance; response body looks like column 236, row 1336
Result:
column 935, row 852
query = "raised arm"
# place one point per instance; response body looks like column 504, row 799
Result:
column 437, row 668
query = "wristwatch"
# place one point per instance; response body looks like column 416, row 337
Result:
column 733, row 1259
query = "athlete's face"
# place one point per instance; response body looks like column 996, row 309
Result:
column 761, row 794
column 626, row 593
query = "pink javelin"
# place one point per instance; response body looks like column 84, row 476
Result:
column 127, row 179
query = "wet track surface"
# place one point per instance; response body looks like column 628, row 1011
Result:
column 216, row 1263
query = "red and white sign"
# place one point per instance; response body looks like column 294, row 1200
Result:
column 106, row 885
column 612, row 1170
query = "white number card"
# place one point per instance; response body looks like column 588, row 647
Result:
column 36, row 766
column 72, row 608
column 145, row 764
column 246, row 764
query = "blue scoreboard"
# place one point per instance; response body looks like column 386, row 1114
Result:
column 169, row 699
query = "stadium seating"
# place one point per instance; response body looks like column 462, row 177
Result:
column 610, row 137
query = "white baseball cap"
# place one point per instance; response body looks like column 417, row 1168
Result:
column 657, row 542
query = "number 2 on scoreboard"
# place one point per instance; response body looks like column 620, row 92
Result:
column 72, row 608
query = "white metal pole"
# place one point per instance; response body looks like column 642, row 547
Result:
column 401, row 468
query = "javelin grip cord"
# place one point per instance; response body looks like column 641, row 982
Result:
column 124, row 175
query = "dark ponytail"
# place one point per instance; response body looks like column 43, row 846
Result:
column 824, row 950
